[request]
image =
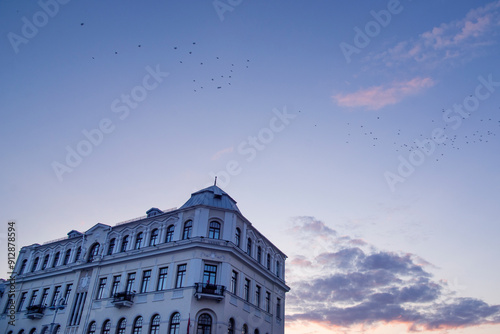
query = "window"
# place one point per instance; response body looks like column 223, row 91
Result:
column 45, row 261
column 33, row 330
column 67, row 255
column 249, row 246
column 34, row 294
column 278, row 308
column 67, row 293
column 170, row 234
column 162, row 279
column 94, row 251
column 106, row 327
column 278, row 269
column 56, row 259
column 256, row 331
column 230, row 326
column 92, row 328
column 146, row 278
column 124, row 244
column 45, row 295
column 181, row 274
column 101, row 288
column 23, row 266
column 188, row 228
column 234, row 282
column 122, row 324
column 130, row 282
column 137, row 329
column 244, row 330
column 268, row 265
column 155, row 324
column 268, row 302
column 35, row 264
column 111, row 246
column 209, row 274
column 78, row 253
column 154, row 237
column 237, row 237
column 55, row 296
column 138, row 240
column 204, row 324
column 246, row 290
column 116, row 285
column 10, row 301
column 257, row 296
column 214, row 230
column 259, row 255
column 21, row 301
column 175, row 323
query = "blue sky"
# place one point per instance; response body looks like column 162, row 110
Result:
column 377, row 121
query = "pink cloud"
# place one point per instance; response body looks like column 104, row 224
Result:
column 377, row 97
column 220, row 153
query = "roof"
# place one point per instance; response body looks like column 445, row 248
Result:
column 212, row 196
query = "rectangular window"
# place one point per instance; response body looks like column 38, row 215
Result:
column 278, row 269
column 257, row 296
column 67, row 256
column 21, row 301
column 268, row 302
column 209, row 274
column 162, row 279
column 45, row 262
column 268, row 262
column 234, row 282
column 111, row 246
column 10, row 301
column 278, row 308
column 124, row 244
column 101, row 288
column 45, row 295
column 34, row 294
column 130, row 282
column 116, row 285
column 56, row 259
column 67, row 293
column 55, row 296
column 246, row 290
column 181, row 274
column 146, row 278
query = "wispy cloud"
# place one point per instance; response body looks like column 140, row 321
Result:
column 220, row 153
column 350, row 285
column 377, row 97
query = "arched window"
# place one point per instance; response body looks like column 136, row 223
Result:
column 45, row 261
column 33, row 330
column 237, row 237
column 154, row 237
column 120, row 327
column 35, row 264
column 175, row 323
column 111, row 246
column 23, row 266
column 259, row 255
column 94, row 251
column 155, row 324
column 188, row 229
column 92, row 328
column 78, row 253
column 106, row 327
column 230, row 326
column 204, row 324
column 124, row 244
column 278, row 268
column 214, row 230
column 170, row 234
column 256, row 331
column 137, row 329
column 268, row 261
column 67, row 255
column 244, row 330
column 138, row 240
column 57, row 330
column 249, row 246
column 21, row 331
column 56, row 259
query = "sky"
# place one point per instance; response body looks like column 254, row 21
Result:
column 361, row 138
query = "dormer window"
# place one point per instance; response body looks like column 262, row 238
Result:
column 214, row 230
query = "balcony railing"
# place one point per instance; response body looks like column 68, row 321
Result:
column 35, row 311
column 210, row 291
column 123, row 299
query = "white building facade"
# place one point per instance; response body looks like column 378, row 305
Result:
column 202, row 268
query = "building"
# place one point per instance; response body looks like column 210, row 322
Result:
column 201, row 268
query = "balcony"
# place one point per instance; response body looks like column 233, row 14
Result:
column 123, row 299
column 209, row 291
column 35, row 311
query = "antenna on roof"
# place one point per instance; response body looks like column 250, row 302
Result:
column 215, row 182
